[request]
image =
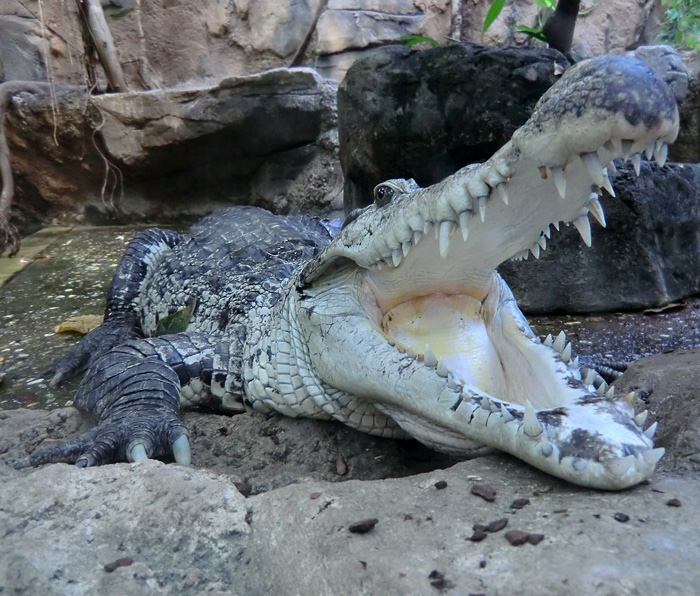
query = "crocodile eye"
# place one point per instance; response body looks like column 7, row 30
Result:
column 383, row 195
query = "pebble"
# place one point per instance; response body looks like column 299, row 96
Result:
column 440, row 484
column 520, row 503
column 518, row 537
column 484, row 491
column 673, row 503
column 621, row 517
column 363, row 526
column 114, row 565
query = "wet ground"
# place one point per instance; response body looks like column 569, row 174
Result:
column 66, row 273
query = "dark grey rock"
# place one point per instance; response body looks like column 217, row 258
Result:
column 648, row 255
column 406, row 113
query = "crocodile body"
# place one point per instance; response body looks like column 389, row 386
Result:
column 397, row 324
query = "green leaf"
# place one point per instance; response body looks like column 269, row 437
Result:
column 492, row 14
column 532, row 32
column 412, row 40
column 176, row 322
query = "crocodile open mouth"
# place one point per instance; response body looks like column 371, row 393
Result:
column 446, row 323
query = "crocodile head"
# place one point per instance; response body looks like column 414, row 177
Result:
column 404, row 308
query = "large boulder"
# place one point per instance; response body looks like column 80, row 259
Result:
column 405, row 113
column 267, row 139
column 647, row 256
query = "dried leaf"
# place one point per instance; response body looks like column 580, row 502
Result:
column 82, row 324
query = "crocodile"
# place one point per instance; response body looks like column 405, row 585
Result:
column 395, row 322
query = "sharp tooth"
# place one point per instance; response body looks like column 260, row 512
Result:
column 556, row 225
column 566, row 353
column 636, row 162
column 396, row 257
column 452, row 384
column 548, row 232
column 542, row 241
column 548, row 340
column 610, row 393
column 445, row 231
column 584, row 228
column 405, row 247
column 595, row 171
column 649, row 432
column 607, row 185
column 660, row 153
column 614, row 146
column 575, row 363
column 641, row 418
column 557, row 175
column 463, row 218
column 629, row 398
column 482, row 208
column 626, row 149
column 604, row 155
column 649, row 151
column 427, row 227
column 428, row 357
column 560, row 342
column 652, row 456
column 417, row 235
column 546, row 448
column 507, row 416
column 591, row 376
column 503, row 192
column 621, row 466
column 486, row 404
column 380, row 265
column 602, row 389
column 535, row 250
column 596, row 209
column 531, row 426
column 612, row 167
column 411, row 353
column 442, row 369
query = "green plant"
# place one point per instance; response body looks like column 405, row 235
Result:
column 681, row 27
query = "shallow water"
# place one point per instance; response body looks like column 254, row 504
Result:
column 68, row 277
column 71, row 273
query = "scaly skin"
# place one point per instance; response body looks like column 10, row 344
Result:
column 400, row 326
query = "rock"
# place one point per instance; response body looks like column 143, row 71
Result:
column 351, row 25
column 188, row 531
column 176, row 524
column 604, row 28
column 647, row 255
column 180, row 152
column 666, row 385
column 424, row 114
column 687, row 146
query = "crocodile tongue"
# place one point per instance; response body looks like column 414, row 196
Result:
column 452, row 329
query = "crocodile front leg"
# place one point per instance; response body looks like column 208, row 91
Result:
column 135, row 392
column 121, row 322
